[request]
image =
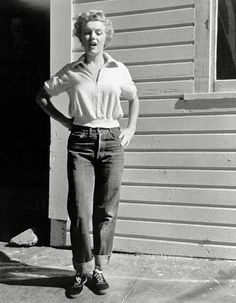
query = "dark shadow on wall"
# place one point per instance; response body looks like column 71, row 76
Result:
column 24, row 128
column 206, row 104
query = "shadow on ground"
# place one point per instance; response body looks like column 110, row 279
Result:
column 17, row 273
column 213, row 284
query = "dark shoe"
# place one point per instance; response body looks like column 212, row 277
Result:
column 99, row 283
column 76, row 288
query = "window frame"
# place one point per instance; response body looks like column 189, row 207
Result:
column 225, row 85
column 206, row 86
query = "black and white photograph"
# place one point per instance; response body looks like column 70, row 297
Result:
column 118, row 151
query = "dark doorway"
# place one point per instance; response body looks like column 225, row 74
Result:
column 24, row 131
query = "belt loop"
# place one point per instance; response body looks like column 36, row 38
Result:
column 89, row 132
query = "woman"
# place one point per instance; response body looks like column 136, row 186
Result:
column 95, row 83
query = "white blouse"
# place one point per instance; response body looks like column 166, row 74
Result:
column 94, row 102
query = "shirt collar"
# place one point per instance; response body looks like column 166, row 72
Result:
column 109, row 61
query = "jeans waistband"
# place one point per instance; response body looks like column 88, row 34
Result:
column 90, row 129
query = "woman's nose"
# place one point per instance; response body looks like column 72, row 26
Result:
column 93, row 34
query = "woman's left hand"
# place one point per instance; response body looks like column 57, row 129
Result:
column 126, row 135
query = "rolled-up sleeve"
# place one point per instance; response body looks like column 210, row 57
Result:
column 128, row 88
column 58, row 83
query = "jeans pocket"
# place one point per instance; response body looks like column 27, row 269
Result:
column 115, row 133
column 79, row 134
column 75, row 138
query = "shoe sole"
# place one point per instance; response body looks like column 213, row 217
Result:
column 69, row 296
column 100, row 291
column 73, row 296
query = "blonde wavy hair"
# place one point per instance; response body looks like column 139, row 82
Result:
column 93, row 15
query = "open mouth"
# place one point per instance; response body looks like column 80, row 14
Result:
column 93, row 44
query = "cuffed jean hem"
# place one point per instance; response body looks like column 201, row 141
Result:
column 84, row 268
column 102, row 261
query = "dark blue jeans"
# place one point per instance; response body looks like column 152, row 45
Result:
column 95, row 166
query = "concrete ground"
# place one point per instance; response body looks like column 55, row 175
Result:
column 41, row 274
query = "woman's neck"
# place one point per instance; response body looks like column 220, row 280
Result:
column 97, row 60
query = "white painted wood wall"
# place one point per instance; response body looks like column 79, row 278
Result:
column 178, row 193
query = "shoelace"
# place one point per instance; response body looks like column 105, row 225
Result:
column 98, row 275
column 77, row 281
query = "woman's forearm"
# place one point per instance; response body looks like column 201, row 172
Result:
column 133, row 113
column 127, row 134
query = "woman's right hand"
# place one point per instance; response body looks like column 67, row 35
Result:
column 68, row 123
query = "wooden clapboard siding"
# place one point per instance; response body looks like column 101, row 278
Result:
column 178, row 190
column 170, row 18
column 174, row 106
column 205, row 215
column 164, row 195
column 193, row 142
column 203, row 123
column 167, row 159
column 155, row 37
column 156, row 72
column 170, row 88
column 202, row 249
column 119, row 7
column 169, row 231
column 183, row 177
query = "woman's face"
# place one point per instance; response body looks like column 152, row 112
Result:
column 93, row 37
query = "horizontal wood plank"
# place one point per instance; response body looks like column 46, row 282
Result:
column 212, row 160
column 182, row 213
column 153, row 37
column 179, row 195
column 184, row 142
column 161, row 71
column 167, row 88
column 154, row 54
column 197, row 233
column 180, row 177
column 153, row 19
column 154, row 107
column 172, row 248
column 175, row 106
column 124, row 6
column 225, row 86
column 187, row 123
column 150, row 54
column 86, row 1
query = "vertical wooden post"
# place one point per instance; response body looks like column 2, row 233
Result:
column 58, row 233
column 213, row 43
column 61, row 33
column 202, row 68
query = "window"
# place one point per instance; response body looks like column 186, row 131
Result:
column 224, row 44
column 226, row 40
